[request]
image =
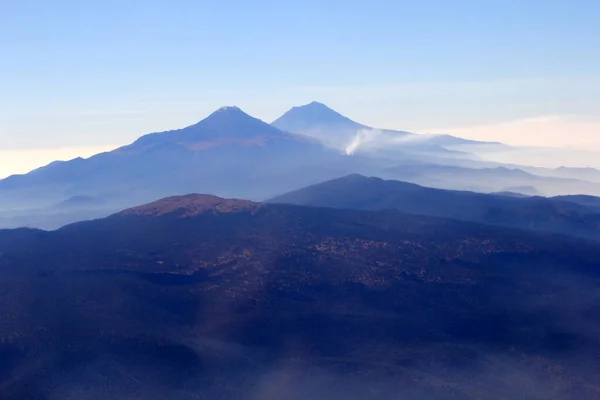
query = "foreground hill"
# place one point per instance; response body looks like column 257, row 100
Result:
column 558, row 215
column 203, row 297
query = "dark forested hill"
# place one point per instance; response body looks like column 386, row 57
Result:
column 202, row 297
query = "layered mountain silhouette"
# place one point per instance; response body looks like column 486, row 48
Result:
column 574, row 215
column 488, row 179
column 232, row 154
column 199, row 296
column 588, row 174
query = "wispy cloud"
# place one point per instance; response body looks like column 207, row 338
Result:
column 549, row 130
column 377, row 139
column 549, row 141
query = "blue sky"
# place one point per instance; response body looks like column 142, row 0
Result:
column 78, row 76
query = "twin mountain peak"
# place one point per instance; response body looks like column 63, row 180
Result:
column 231, row 123
column 313, row 110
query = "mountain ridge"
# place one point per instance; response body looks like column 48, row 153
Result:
column 318, row 111
column 318, row 120
column 226, row 122
column 535, row 212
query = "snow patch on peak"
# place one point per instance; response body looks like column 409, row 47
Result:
column 227, row 108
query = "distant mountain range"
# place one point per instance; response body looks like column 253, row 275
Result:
column 488, row 179
column 572, row 215
column 203, row 297
column 232, row 154
column 586, row 174
column 228, row 153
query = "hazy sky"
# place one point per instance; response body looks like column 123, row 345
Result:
column 82, row 76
